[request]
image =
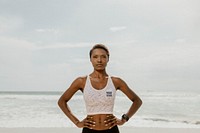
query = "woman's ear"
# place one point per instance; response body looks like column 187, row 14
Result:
column 108, row 58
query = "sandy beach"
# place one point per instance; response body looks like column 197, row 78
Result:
column 122, row 130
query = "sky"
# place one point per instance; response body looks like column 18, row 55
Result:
column 154, row 44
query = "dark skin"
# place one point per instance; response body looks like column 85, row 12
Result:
column 99, row 77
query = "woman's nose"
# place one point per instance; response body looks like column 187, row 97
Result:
column 99, row 59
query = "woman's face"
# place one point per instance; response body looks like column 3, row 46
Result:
column 99, row 59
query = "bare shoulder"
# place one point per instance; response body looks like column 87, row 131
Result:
column 80, row 82
column 117, row 79
column 81, row 79
column 118, row 82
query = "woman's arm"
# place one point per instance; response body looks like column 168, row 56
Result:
column 76, row 85
column 137, row 102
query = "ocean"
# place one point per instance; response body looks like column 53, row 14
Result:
column 159, row 109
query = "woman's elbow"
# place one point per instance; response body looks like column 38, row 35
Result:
column 138, row 101
column 61, row 102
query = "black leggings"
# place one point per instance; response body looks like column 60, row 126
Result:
column 112, row 130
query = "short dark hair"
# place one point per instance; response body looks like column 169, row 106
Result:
column 101, row 46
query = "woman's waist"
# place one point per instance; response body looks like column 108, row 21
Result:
column 101, row 121
column 99, row 116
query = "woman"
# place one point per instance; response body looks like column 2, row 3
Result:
column 99, row 90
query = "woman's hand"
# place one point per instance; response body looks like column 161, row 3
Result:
column 80, row 124
column 87, row 122
column 120, row 122
column 110, row 121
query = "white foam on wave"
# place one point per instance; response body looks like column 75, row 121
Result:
column 41, row 110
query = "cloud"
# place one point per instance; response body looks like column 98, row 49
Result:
column 119, row 28
column 54, row 31
column 180, row 40
column 16, row 61
column 63, row 45
column 15, row 52
column 15, row 43
column 10, row 23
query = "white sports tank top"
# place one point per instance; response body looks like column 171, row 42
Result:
column 99, row 101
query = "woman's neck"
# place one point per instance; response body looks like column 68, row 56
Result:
column 99, row 74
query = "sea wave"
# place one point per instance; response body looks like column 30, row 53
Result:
column 38, row 109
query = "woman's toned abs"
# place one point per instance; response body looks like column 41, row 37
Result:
column 100, row 121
